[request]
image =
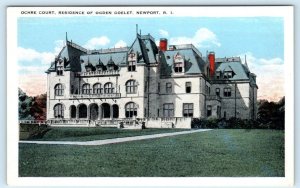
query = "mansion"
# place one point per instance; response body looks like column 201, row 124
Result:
column 148, row 81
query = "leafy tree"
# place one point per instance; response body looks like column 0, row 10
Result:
column 25, row 103
column 32, row 108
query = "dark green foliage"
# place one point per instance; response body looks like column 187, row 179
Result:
column 25, row 103
column 32, row 108
column 270, row 116
column 32, row 131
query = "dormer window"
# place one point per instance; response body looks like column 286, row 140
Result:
column 59, row 66
column 100, row 65
column 228, row 74
column 178, row 67
column 132, row 62
column 110, row 64
column 218, row 75
column 59, row 70
column 178, row 63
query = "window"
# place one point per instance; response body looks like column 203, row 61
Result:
column 168, row 110
column 168, row 87
column 59, row 90
column 188, row 109
column 86, row 89
column 59, row 71
column 58, row 111
column 97, row 88
column 218, row 91
column 130, row 110
column 146, row 86
column 178, row 67
column 188, row 87
column 218, row 75
column 208, row 110
column 73, row 111
column 158, row 112
column 108, row 88
column 158, row 87
column 131, row 86
column 206, row 89
column 227, row 92
column 131, row 66
column 228, row 74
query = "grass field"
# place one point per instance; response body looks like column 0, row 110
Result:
column 222, row 153
column 96, row 133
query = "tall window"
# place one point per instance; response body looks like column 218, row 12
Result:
column 208, row 110
column 218, row 91
column 59, row 90
column 168, row 110
column 158, row 87
column 168, row 87
column 59, row 71
column 86, row 89
column 97, row 88
column 227, row 92
column 108, row 88
column 131, row 66
column 59, row 111
column 188, row 87
column 131, row 86
column 130, row 110
column 188, row 109
column 73, row 111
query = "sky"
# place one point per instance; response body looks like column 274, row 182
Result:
column 260, row 39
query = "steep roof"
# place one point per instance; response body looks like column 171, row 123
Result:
column 237, row 67
column 194, row 64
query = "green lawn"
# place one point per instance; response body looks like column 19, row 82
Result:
column 97, row 133
column 221, row 152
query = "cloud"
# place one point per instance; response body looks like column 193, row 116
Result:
column 120, row 44
column 28, row 55
column 33, row 84
column 203, row 38
column 163, row 33
column 270, row 76
column 97, row 42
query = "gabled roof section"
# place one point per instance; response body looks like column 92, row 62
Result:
column 194, row 64
column 236, row 66
column 70, row 54
column 117, row 57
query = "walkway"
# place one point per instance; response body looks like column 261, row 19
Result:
column 114, row 140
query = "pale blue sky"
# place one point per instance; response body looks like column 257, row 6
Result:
column 261, row 38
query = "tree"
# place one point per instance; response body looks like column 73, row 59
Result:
column 25, row 103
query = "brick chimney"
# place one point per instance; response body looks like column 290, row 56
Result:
column 211, row 59
column 163, row 44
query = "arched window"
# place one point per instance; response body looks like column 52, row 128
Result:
column 130, row 109
column 58, row 90
column 97, row 88
column 59, row 111
column 82, row 111
column 86, row 89
column 108, row 88
column 131, row 86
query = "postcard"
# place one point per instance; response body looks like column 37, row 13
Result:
column 150, row 96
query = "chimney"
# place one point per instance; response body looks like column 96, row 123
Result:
column 211, row 59
column 163, row 44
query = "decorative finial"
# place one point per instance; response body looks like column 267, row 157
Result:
column 66, row 36
column 137, row 28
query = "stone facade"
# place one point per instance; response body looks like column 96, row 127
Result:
column 148, row 81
